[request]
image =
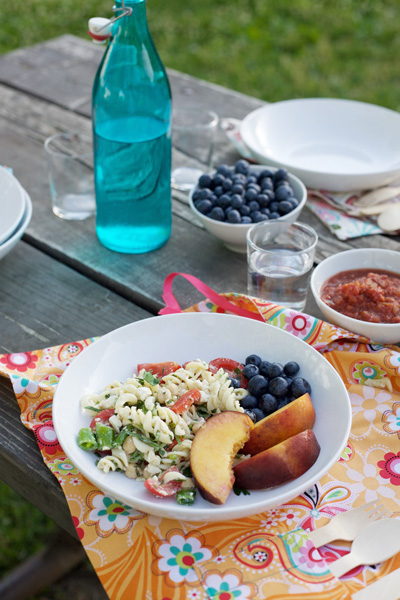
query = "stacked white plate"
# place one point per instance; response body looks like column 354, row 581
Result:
column 15, row 211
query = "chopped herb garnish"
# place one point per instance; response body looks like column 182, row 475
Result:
column 239, row 491
column 187, row 472
column 149, row 377
column 238, row 371
column 107, row 396
column 93, row 408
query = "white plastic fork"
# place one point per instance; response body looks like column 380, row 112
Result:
column 346, row 525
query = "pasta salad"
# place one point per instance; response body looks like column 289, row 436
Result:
column 145, row 425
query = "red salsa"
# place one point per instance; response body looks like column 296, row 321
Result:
column 364, row 295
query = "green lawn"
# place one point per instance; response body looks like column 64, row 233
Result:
column 274, row 50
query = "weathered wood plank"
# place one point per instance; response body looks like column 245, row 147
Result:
column 44, row 303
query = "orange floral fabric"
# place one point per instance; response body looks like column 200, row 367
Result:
column 266, row 556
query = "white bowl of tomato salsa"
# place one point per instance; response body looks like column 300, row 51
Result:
column 359, row 290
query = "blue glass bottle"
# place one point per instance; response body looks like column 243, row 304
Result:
column 131, row 115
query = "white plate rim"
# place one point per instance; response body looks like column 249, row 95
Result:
column 248, row 121
column 162, row 507
column 13, row 212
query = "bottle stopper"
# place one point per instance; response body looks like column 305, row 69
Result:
column 100, row 29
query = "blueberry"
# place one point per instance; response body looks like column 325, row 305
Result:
column 258, row 414
column 242, row 166
column 227, row 184
column 246, row 220
column 237, row 201
column 251, row 194
column 237, row 188
column 244, row 210
column 285, row 207
column 251, row 179
column 219, row 179
column 205, row 181
column 291, row 368
column 264, row 367
column 250, row 371
column 282, row 402
column 218, row 190
column 228, row 210
column 293, row 201
column 251, row 414
column 235, row 383
column 205, row 194
column 239, row 178
column 280, row 174
column 224, row 170
column 224, row 201
column 262, row 200
column 265, row 173
column 255, row 187
column 257, row 386
column 275, row 370
column 196, row 195
column 268, row 404
column 253, row 359
column 234, row 216
column 273, row 206
column 278, row 386
column 204, row 206
column 257, row 216
column 217, row 213
column 249, row 402
column 265, row 211
column 300, row 387
column 283, row 193
column 253, row 205
column 267, row 184
column 274, row 215
column 270, row 194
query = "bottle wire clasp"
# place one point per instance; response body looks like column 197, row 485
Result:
column 100, row 27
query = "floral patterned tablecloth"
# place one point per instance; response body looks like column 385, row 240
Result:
column 266, row 556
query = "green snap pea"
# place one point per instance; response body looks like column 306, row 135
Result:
column 186, row 497
column 120, row 438
column 105, row 436
column 86, row 439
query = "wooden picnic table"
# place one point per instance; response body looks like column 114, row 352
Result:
column 60, row 284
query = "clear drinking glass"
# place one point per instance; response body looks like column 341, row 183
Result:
column 70, row 168
column 193, row 139
column 280, row 256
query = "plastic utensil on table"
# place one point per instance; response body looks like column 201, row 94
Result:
column 377, row 542
column 376, row 196
column 387, row 587
column 131, row 116
column 346, row 525
column 389, row 219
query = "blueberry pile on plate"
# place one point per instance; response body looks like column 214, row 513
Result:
column 271, row 386
column 239, row 195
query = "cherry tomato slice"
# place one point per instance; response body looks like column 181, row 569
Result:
column 186, row 400
column 102, row 417
column 161, row 369
column 231, row 367
column 163, row 490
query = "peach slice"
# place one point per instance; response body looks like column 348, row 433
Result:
column 278, row 464
column 280, row 425
column 214, row 446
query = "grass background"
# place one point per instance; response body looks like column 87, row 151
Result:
column 274, row 50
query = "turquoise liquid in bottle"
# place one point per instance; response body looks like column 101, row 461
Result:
column 132, row 139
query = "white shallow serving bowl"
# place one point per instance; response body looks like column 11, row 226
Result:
column 12, row 204
column 9, row 244
column 336, row 145
column 233, row 235
column 182, row 337
column 363, row 258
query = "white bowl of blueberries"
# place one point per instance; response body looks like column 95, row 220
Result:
column 232, row 199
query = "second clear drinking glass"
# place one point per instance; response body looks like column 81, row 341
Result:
column 280, row 257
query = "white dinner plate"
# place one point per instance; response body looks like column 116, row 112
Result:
column 9, row 244
column 336, row 145
column 12, row 204
column 180, row 338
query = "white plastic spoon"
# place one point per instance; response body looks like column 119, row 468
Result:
column 389, row 219
column 377, row 542
column 377, row 196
